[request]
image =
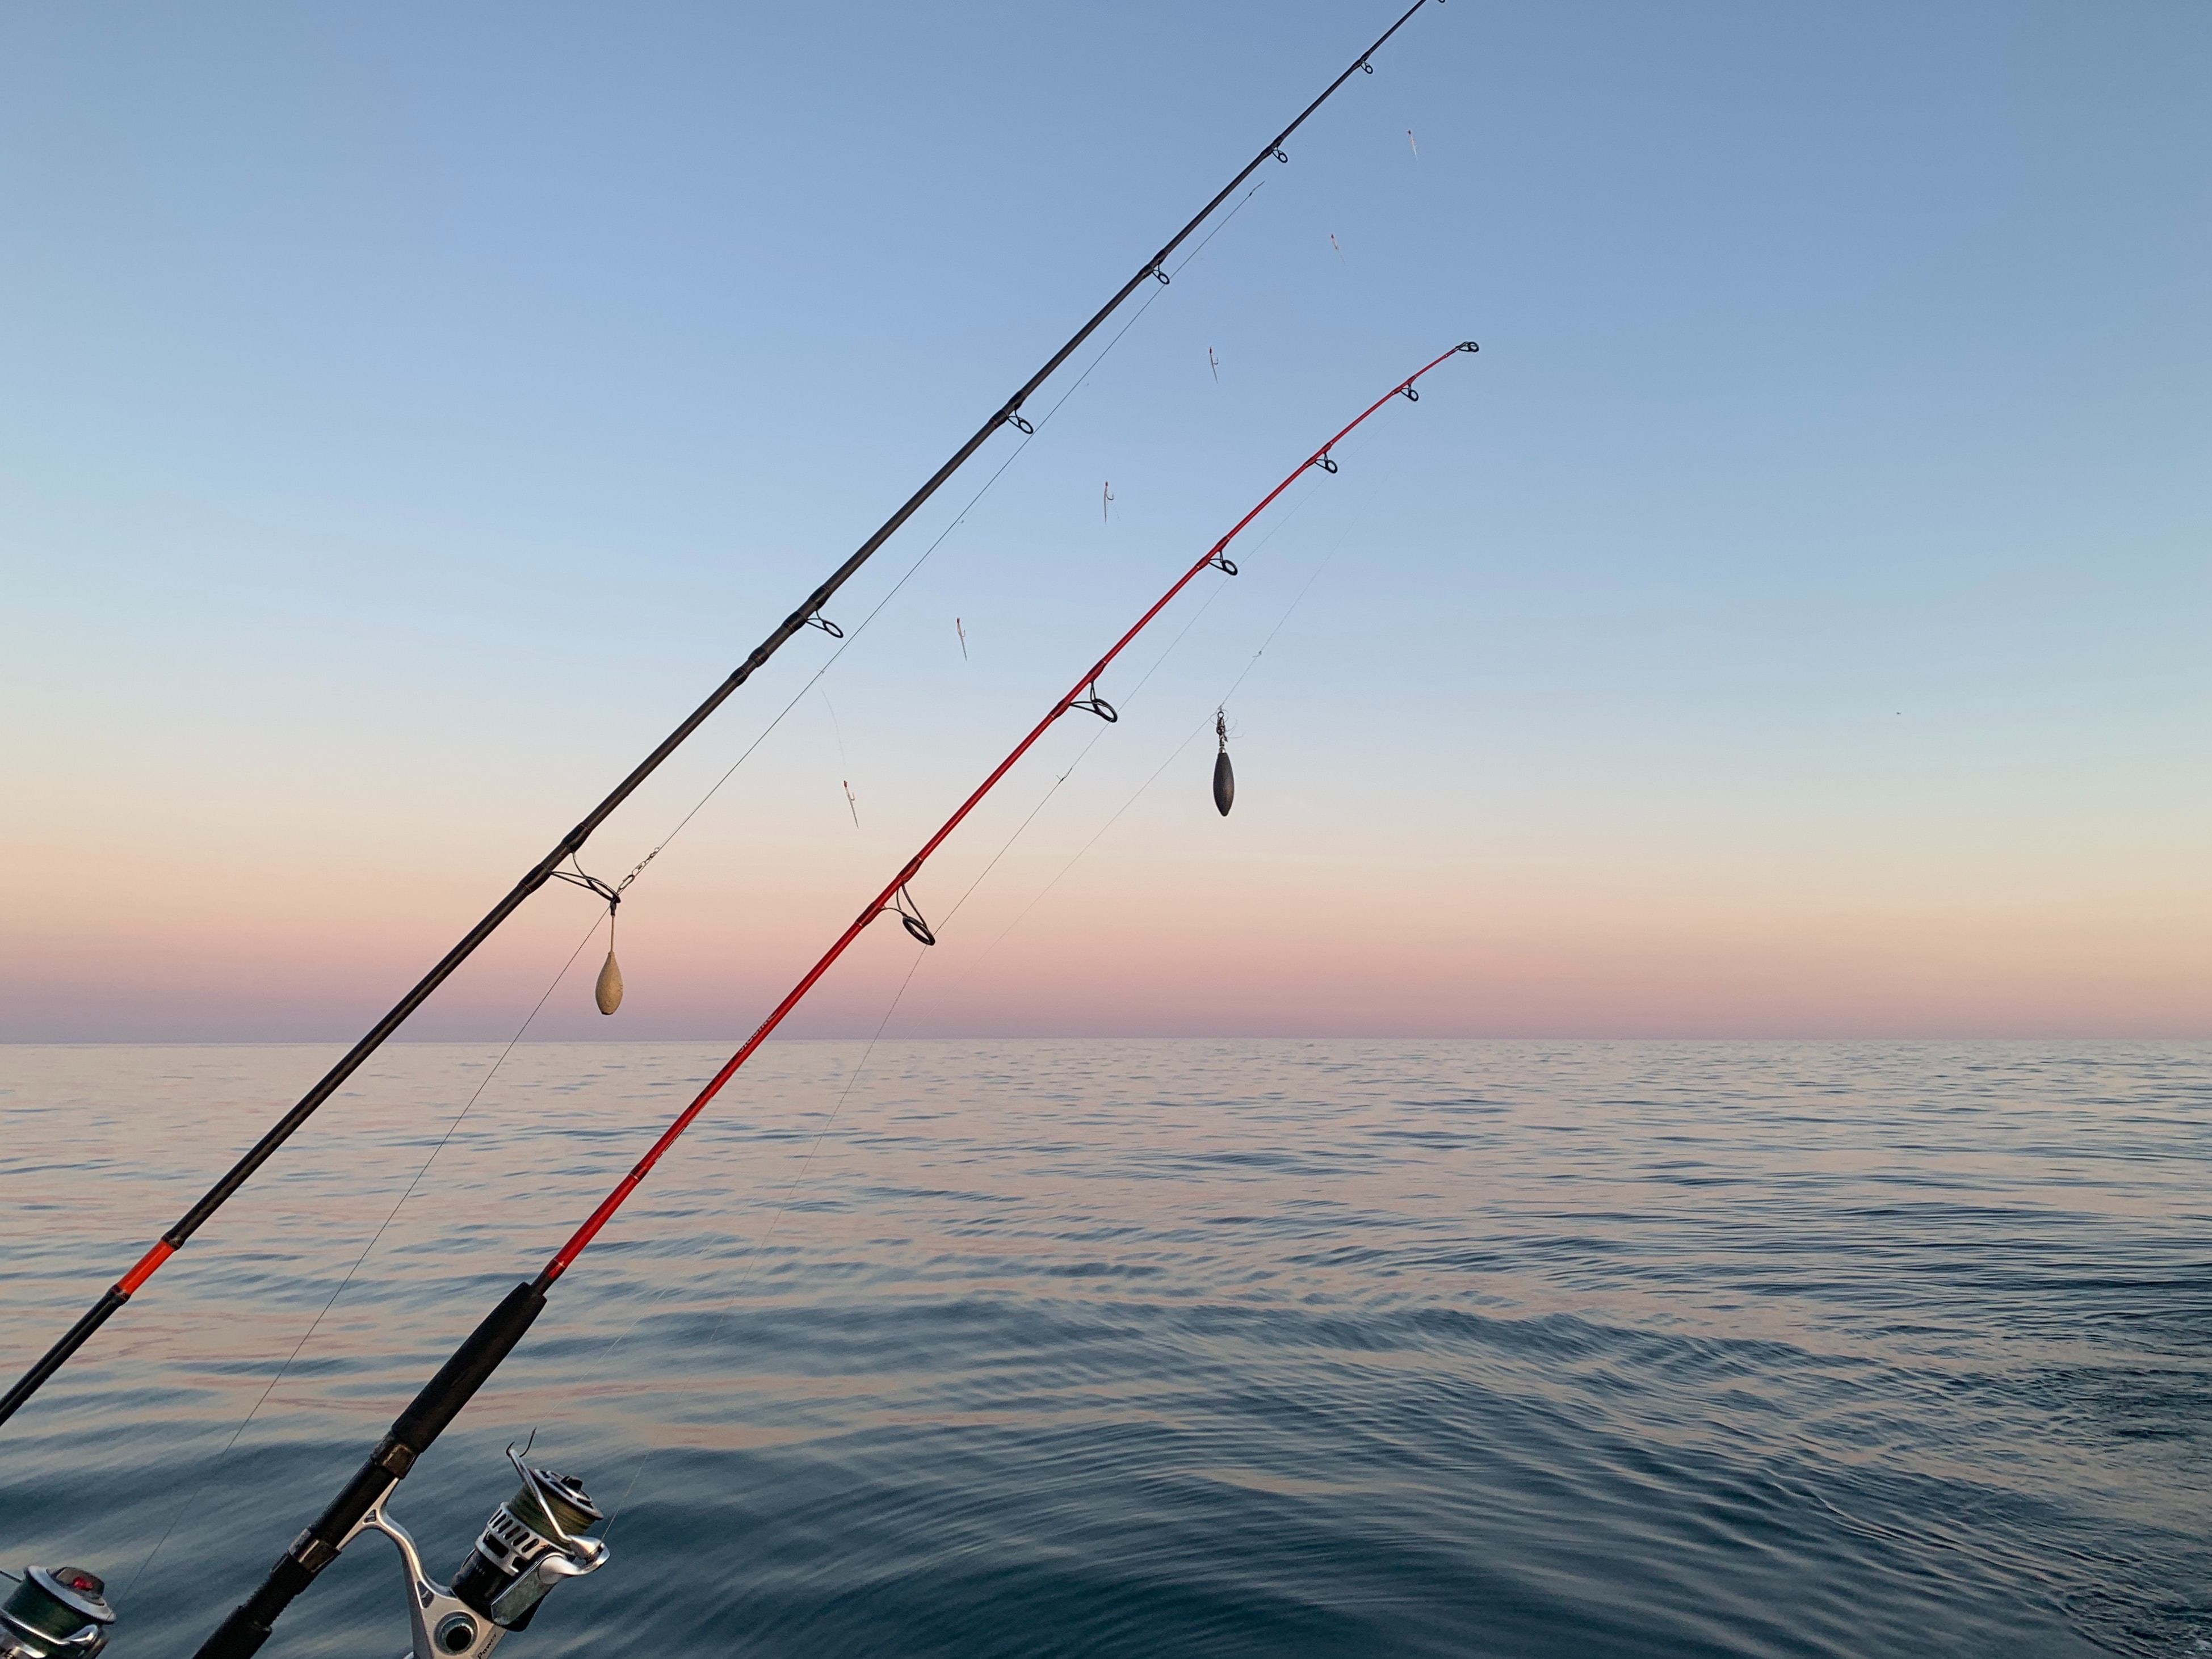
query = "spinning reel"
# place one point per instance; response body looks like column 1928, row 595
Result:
column 60, row 1612
column 532, row 1542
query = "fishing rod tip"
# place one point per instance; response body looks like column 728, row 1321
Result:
column 1469, row 345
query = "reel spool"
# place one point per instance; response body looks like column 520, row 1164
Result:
column 542, row 1520
column 61, row 1614
column 532, row 1542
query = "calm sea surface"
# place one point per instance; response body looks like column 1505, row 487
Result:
column 1146, row 1348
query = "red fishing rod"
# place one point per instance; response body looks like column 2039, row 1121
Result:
column 469, row 1624
column 548, row 868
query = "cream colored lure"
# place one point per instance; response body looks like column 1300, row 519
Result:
column 608, row 992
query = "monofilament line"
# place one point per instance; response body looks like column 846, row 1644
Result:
column 758, row 1252
column 315, row 1324
column 1173, row 754
column 852, row 635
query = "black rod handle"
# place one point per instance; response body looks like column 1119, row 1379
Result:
column 412, row 1434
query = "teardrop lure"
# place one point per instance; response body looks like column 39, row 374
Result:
column 1224, row 783
column 608, row 992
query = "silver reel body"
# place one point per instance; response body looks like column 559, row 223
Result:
column 517, row 1559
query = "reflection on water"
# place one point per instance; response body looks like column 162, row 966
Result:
column 1164, row 1347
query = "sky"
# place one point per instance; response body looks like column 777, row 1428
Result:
column 1791, row 623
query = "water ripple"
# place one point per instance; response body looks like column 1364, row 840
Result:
column 1202, row 1347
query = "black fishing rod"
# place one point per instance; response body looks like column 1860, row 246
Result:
column 467, row 1618
column 809, row 611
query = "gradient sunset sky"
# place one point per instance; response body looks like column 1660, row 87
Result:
column 1794, row 622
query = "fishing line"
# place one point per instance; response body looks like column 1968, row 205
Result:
column 755, row 1251
column 345, row 1282
column 1296, row 507
column 752, row 1249
column 758, row 1252
column 1174, row 754
column 837, row 727
column 1304, row 498
column 1081, row 755
column 809, row 612
column 1327, row 559
column 844, row 766
column 315, row 1324
column 433, row 1409
column 1306, row 492
column 852, row 635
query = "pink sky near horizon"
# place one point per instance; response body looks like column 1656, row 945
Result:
column 1704, row 876
column 1173, row 925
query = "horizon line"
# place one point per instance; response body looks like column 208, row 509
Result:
column 725, row 1039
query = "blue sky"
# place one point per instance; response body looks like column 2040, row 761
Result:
column 1792, row 621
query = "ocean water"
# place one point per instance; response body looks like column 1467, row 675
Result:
column 1166, row 1347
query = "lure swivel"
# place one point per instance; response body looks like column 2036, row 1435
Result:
column 1224, row 774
